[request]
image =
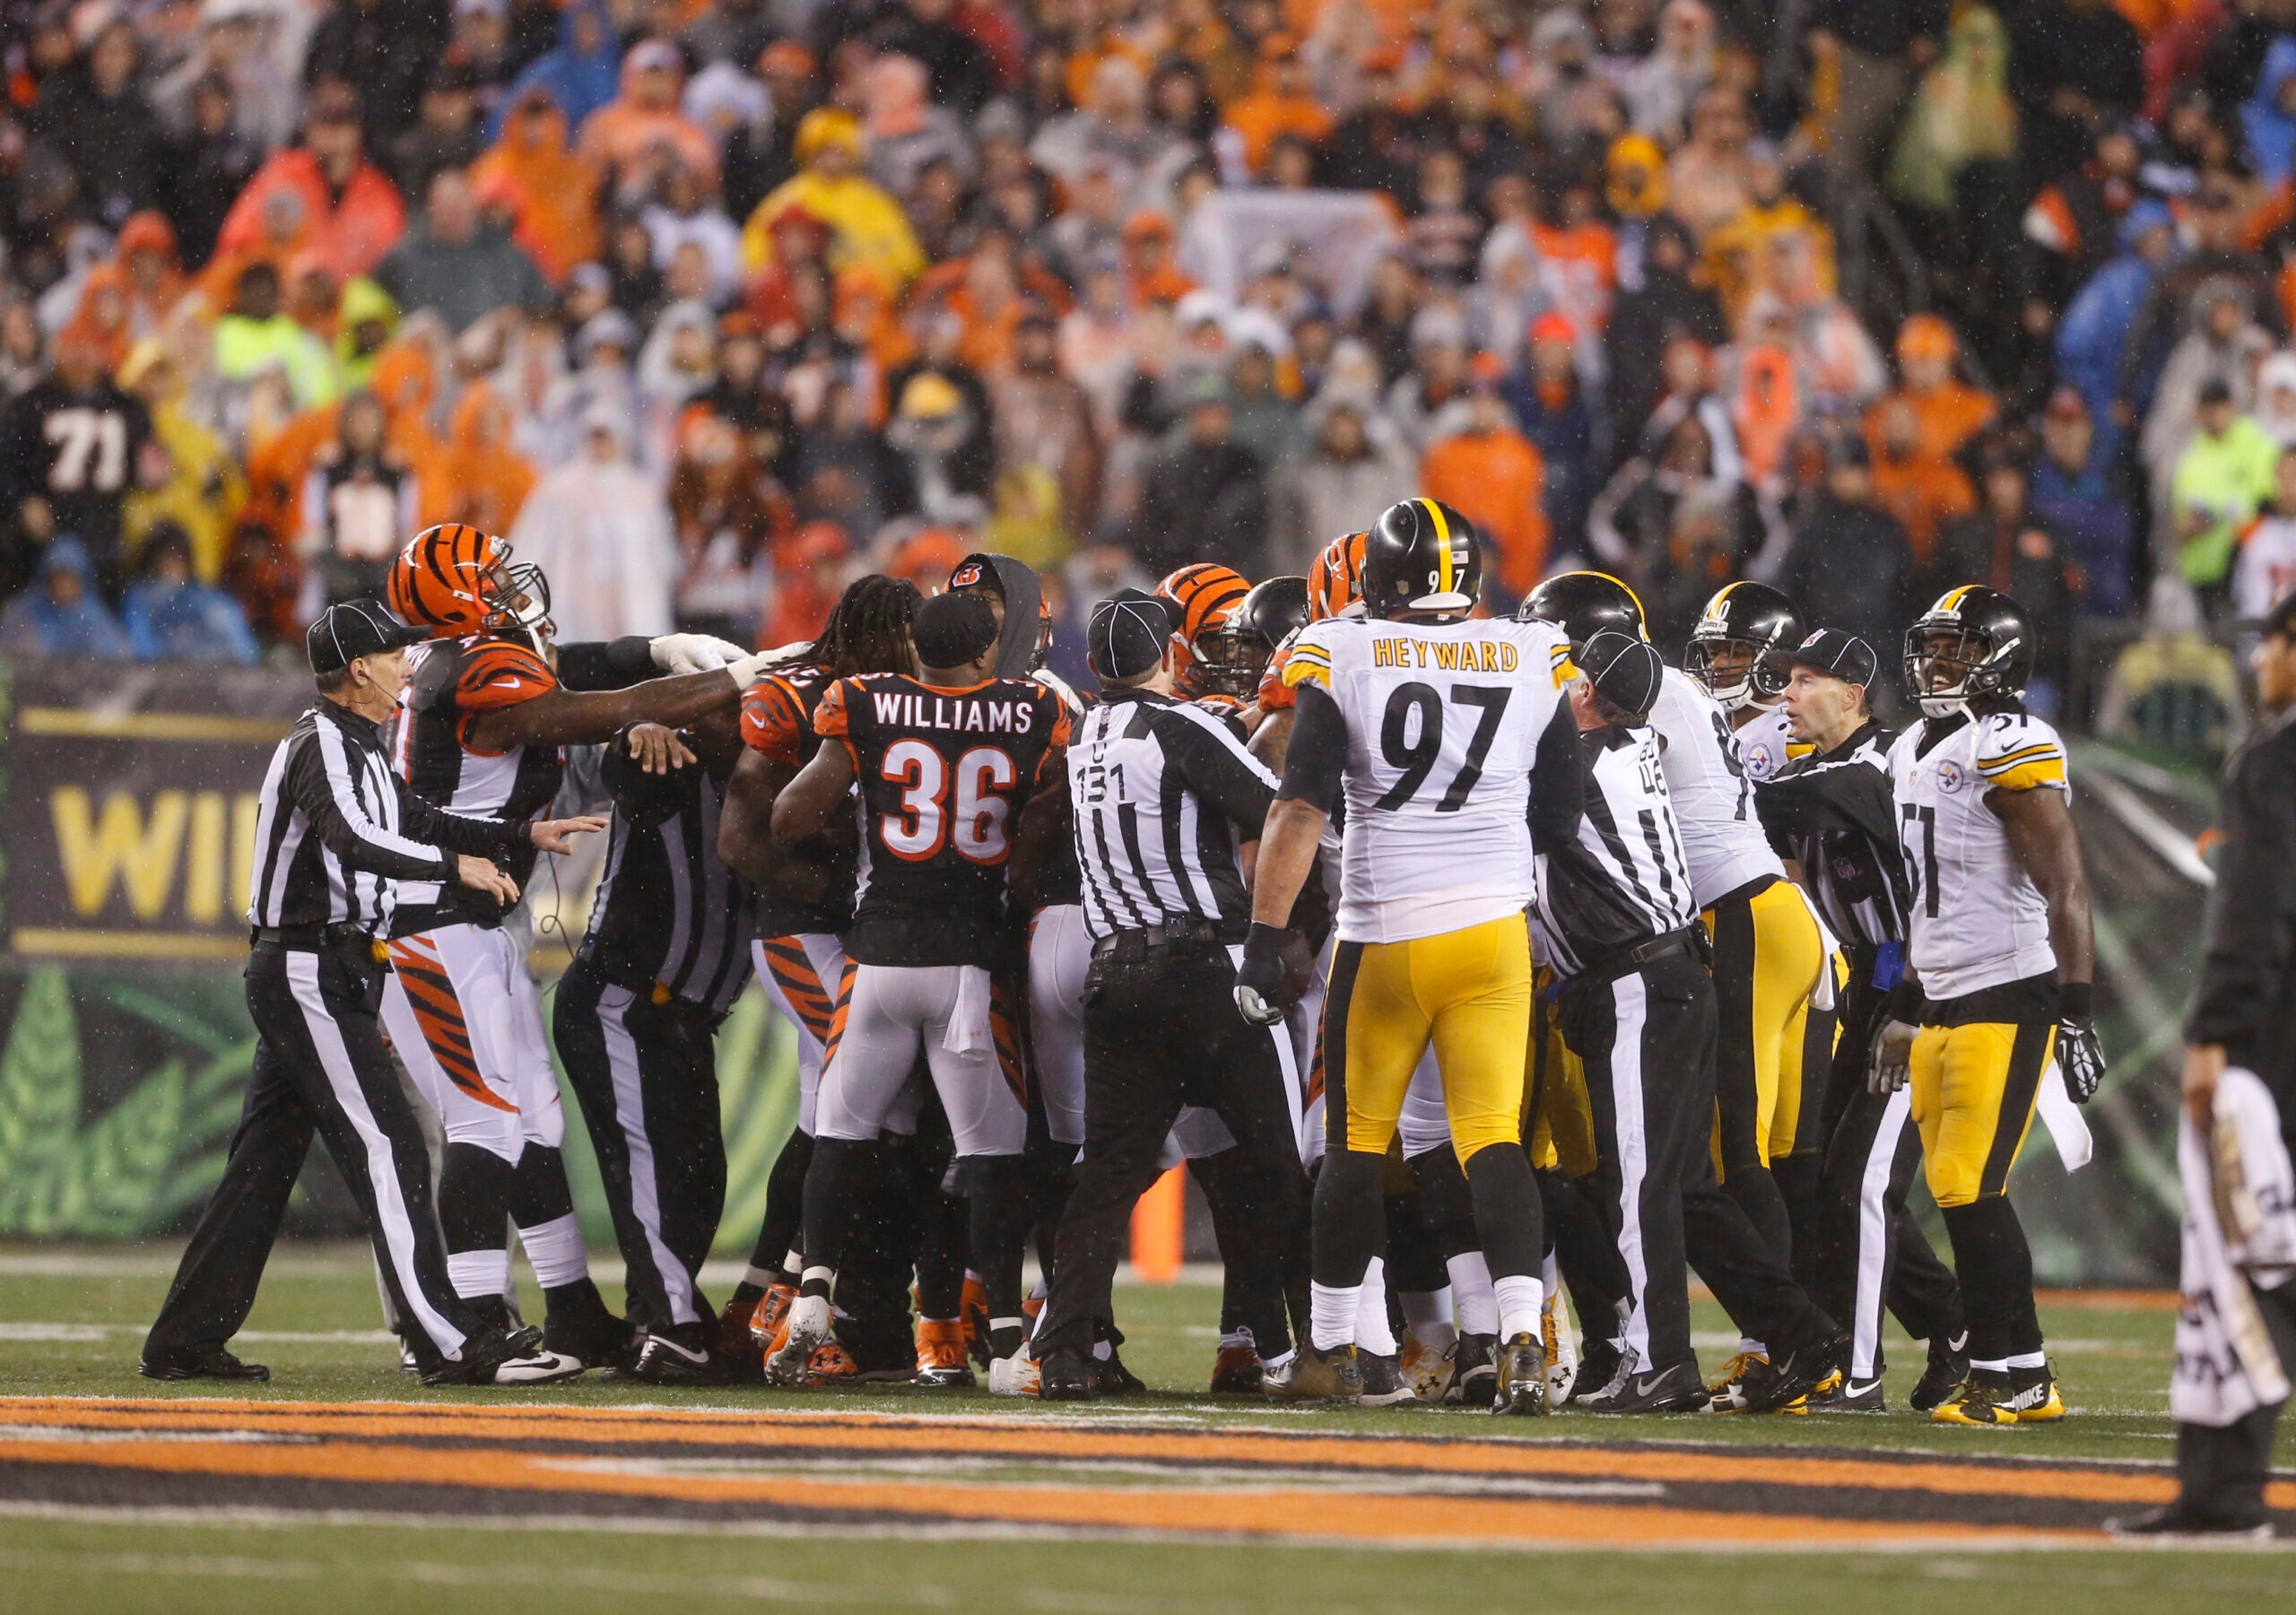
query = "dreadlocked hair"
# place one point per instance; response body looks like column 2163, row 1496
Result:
column 868, row 631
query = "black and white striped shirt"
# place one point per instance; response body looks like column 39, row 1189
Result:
column 668, row 908
column 337, row 830
column 1834, row 813
column 1605, row 848
column 1164, row 793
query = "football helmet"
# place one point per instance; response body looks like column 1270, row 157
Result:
column 1199, row 596
column 1974, row 644
column 1236, row 653
column 1583, row 605
column 1730, row 645
column 456, row 580
column 1335, row 577
column 1421, row 556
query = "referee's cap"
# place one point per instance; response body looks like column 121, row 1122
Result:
column 355, row 628
column 1625, row 671
column 1831, row 651
column 1127, row 635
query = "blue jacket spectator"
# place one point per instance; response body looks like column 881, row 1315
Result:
column 61, row 615
column 582, row 73
column 2079, row 493
column 172, row 617
column 2092, row 339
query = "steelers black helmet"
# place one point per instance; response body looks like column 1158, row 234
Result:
column 1974, row 644
column 1422, row 556
column 1730, row 646
column 1583, row 605
column 1237, row 652
column 646, row 801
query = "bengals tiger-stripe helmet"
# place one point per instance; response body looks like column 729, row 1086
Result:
column 1237, row 653
column 1335, row 577
column 1199, row 596
column 455, row 580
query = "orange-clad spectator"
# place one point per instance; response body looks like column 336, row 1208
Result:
column 553, row 193
column 1711, row 179
column 866, row 224
column 481, row 479
column 989, row 289
column 811, row 574
column 927, row 556
column 1923, row 490
column 146, row 250
column 1282, row 102
column 1480, row 466
column 630, row 138
column 407, row 380
column 282, row 228
column 1764, row 408
column 1149, row 261
column 350, row 214
column 1578, row 263
column 101, row 319
column 773, row 296
column 1947, row 413
column 866, row 314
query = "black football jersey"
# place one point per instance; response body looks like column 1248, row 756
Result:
column 78, row 451
column 778, row 720
column 449, row 683
column 943, row 776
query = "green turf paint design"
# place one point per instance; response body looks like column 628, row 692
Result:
column 137, row 1165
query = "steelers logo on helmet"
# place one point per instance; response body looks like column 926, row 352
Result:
column 1975, row 646
column 1583, row 605
column 1731, row 644
column 1422, row 556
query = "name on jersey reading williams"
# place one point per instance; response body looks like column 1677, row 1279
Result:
column 960, row 714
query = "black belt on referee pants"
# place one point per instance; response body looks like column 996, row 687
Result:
column 1156, row 941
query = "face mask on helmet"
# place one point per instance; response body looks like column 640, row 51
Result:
column 1947, row 668
column 517, row 598
column 1735, row 672
column 1231, row 660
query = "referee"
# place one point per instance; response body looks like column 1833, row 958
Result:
column 1831, row 815
column 1637, row 1005
column 1168, row 808
column 336, row 831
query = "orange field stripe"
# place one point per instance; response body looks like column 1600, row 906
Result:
column 1941, row 1476
column 1381, row 1518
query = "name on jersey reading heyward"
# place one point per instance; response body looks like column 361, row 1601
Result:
column 990, row 717
column 1451, row 656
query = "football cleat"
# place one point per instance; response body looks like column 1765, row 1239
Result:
column 1236, row 1370
column 1949, row 1365
column 1066, row 1375
column 1114, row 1379
column 735, row 1344
column 591, row 1336
column 772, row 1310
column 1384, row 1386
column 1596, row 1369
column 1848, row 1395
column 211, row 1362
column 503, row 1356
column 1675, row 1390
column 681, row 1356
column 1019, row 1374
column 1522, row 1377
column 830, row 1365
column 1777, row 1384
column 2020, row 1396
column 1732, row 1371
column 940, row 1361
column 2173, row 1523
column 1314, row 1375
column 807, row 1326
column 1475, row 1382
column 1559, row 1342
column 1429, row 1372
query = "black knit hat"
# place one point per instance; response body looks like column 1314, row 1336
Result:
column 951, row 630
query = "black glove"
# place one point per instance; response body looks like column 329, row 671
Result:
column 1265, row 989
column 2079, row 1055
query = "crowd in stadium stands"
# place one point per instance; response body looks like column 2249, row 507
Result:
column 709, row 306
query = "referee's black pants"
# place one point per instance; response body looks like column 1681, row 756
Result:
column 1646, row 1041
column 1871, row 1252
column 644, row 1070
column 320, row 1066
column 1162, row 1032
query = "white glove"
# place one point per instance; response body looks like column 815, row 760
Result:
column 1892, row 1057
column 694, row 652
column 1255, row 1008
column 747, row 670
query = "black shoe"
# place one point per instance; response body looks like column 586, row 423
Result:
column 1849, row 1396
column 201, row 1362
column 1475, row 1382
column 684, row 1355
column 2174, row 1522
column 496, row 1356
column 1384, row 1386
column 1314, row 1375
column 1115, row 1379
column 594, row 1338
column 1789, row 1377
column 1522, row 1376
column 1949, row 1365
column 1068, row 1375
column 1675, row 1390
column 1599, row 1362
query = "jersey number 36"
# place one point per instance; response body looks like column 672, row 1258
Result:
column 927, row 820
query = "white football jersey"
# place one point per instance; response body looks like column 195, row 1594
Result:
column 1766, row 744
column 1979, row 920
column 1443, row 720
column 1713, row 796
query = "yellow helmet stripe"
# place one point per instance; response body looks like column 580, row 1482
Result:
column 1443, row 534
column 1953, row 599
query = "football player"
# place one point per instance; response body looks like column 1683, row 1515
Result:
column 491, row 698
column 805, row 905
column 1998, row 980
column 1432, row 947
column 947, row 762
column 1201, row 596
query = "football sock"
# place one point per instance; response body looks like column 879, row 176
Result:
column 1996, row 1268
column 1471, row 1284
column 555, row 1250
column 479, row 1275
column 999, row 1227
column 2029, row 1359
column 831, row 1187
column 785, row 1206
column 1335, row 1309
column 473, row 1198
column 1427, row 1316
column 1347, row 1217
column 1521, row 1298
column 1373, row 1332
column 1508, row 1224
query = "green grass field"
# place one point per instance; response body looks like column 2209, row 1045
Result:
column 71, row 1323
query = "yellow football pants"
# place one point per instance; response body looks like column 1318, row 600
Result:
column 1558, row 1119
column 1767, row 951
column 1468, row 991
column 1973, row 1089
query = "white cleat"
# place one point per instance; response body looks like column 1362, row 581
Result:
column 1014, row 1375
column 811, row 1322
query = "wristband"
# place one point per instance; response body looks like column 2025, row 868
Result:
column 2076, row 1001
column 1264, row 941
column 631, row 659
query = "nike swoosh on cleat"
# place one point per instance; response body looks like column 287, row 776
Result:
column 692, row 1357
column 1642, row 1387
